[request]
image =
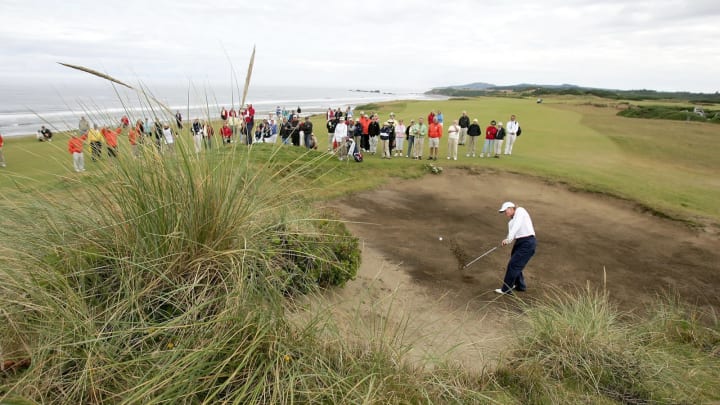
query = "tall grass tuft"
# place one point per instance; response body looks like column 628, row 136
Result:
column 164, row 279
column 577, row 347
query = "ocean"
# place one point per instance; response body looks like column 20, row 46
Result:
column 25, row 107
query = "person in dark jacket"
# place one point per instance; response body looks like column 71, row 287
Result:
column 473, row 132
column 373, row 133
column 464, row 122
column 307, row 128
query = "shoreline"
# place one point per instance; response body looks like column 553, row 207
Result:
column 24, row 116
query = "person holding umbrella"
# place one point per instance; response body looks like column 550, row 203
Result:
column 521, row 231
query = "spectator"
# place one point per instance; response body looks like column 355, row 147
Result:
column 178, row 119
column 169, row 138
column 133, row 135
column 83, row 126
column 2, row 155
column 488, row 146
column 473, row 131
column 399, row 138
column 420, row 134
column 111, row 140
column 364, row 137
column 45, row 134
column 226, row 133
column 307, row 130
column 96, row 142
column 411, row 138
column 330, row 125
column 513, row 127
column 285, row 130
column 464, row 122
column 434, row 135
column 209, row 134
column 373, row 133
column 339, row 137
column 499, row 136
column 75, row 147
column 385, row 131
column 198, row 132
column 453, row 137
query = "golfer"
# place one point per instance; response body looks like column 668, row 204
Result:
column 520, row 230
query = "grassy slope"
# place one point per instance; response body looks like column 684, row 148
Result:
column 667, row 166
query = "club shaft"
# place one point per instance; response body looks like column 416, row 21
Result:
column 481, row 256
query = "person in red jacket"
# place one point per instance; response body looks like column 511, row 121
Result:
column 111, row 140
column 431, row 117
column 75, row 147
column 2, row 156
column 133, row 134
column 489, row 145
column 365, row 136
column 435, row 131
column 226, row 133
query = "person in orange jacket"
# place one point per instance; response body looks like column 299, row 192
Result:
column 75, row 147
column 111, row 136
column 435, row 131
column 2, row 156
column 133, row 134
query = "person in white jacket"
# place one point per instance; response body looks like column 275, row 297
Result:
column 339, row 136
column 511, row 129
column 453, row 137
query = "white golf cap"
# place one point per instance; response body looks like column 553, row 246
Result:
column 506, row 205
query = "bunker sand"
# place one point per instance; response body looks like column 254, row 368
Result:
column 583, row 239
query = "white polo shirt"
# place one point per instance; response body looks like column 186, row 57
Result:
column 512, row 126
column 520, row 225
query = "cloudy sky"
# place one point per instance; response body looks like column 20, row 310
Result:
column 659, row 44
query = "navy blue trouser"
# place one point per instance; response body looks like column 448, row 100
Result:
column 522, row 251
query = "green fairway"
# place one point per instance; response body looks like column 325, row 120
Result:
column 669, row 167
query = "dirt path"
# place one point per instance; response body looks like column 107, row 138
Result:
column 582, row 238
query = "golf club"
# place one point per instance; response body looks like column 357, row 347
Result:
column 480, row 257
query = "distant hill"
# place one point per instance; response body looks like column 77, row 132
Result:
column 472, row 86
column 539, row 90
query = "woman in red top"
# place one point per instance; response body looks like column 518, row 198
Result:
column 431, row 117
column 226, row 133
column 489, row 145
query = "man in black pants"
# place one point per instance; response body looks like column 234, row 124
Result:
column 520, row 230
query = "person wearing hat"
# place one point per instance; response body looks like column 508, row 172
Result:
column 387, row 129
column 391, row 138
column 522, row 233
column 473, row 131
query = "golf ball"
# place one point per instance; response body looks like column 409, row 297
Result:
column 440, row 238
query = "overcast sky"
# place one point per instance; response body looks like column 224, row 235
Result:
column 660, row 44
